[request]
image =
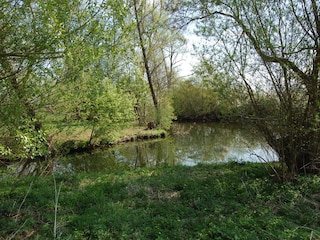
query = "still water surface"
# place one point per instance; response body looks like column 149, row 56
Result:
column 191, row 144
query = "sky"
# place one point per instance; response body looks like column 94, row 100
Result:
column 188, row 58
column 186, row 62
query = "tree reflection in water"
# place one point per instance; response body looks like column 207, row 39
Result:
column 191, row 144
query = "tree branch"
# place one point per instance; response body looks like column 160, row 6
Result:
column 28, row 54
column 265, row 57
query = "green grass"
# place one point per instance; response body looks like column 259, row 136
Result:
column 82, row 132
column 223, row 201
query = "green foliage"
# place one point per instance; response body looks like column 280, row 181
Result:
column 166, row 113
column 32, row 144
column 27, row 143
column 62, row 60
column 54, row 59
column 101, row 105
column 112, row 109
column 223, row 201
column 210, row 95
column 33, row 42
column 137, row 87
column 158, row 41
column 194, row 101
column 229, row 91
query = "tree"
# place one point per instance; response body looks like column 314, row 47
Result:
column 30, row 38
column 138, row 11
column 49, row 51
column 96, row 85
column 226, row 89
column 158, row 42
column 273, row 46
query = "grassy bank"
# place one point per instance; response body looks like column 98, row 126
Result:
column 83, row 133
column 77, row 138
column 229, row 201
column 64, row 139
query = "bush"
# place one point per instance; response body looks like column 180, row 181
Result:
column 194, row 102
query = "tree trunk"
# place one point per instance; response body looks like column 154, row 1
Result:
column 145, row 58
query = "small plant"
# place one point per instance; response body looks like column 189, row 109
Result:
column 56, row 201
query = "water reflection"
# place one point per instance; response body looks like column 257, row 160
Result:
column 128, row 156
column 191, row 144
column 211, row 143
column 28, row 168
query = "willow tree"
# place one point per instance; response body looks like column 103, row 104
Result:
column 273, row 46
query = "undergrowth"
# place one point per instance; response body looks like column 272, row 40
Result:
column 223, row 201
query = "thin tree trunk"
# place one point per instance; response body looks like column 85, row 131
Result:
column 145, row 58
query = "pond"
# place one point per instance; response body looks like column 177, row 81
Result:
column 190, row 144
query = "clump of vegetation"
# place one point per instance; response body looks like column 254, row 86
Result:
column 223, row 201
column 195, row 102
column 209, row 95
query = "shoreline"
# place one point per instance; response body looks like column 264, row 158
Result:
column 125, row 136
